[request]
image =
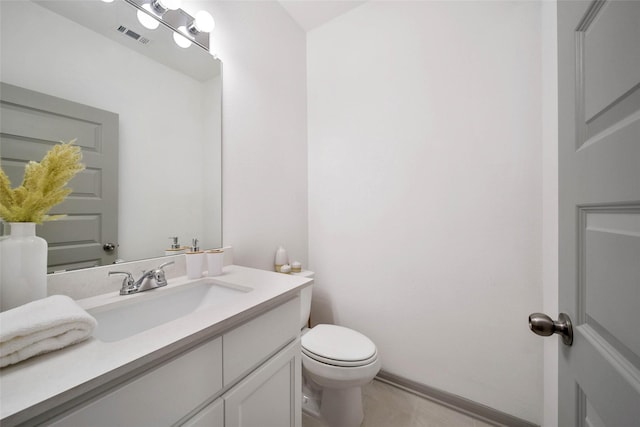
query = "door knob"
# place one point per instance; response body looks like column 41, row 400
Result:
column 109, row 247
column 541, row 324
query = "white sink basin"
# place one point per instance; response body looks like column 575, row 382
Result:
column 146, row 310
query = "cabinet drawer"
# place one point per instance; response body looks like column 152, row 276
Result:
column 252, row 343
column 160, row 397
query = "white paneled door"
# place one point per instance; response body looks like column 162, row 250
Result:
column 30, row 124
column 599, row 161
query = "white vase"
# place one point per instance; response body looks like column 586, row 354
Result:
column 23, row 266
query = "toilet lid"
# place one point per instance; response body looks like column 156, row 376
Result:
column 338, row 345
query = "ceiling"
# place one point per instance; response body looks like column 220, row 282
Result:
column 310, row 14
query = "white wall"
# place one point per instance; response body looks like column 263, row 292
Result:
column 264, row 129
column 425, row 191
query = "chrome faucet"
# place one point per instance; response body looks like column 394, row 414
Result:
column 149, row 280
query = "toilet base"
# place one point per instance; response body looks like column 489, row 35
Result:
column 335, row 407
column 342, row 407
column 311, row 400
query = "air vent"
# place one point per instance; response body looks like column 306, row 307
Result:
column 124, row 30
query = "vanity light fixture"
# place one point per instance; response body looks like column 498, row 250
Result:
column 187, row 29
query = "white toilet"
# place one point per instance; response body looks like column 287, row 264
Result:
column 336, row 363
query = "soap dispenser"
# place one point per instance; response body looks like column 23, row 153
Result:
column 175, row 248
column 195, row 261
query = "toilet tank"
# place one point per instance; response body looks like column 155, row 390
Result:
column 305, row 299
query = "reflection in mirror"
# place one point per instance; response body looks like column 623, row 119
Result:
column 169, row 161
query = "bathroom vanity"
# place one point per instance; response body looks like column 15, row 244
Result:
column 236, row 363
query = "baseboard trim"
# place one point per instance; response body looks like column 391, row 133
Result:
column 452, row 401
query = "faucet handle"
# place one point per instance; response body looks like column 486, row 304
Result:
column 128, row 284
column 158, row 274
column 126, row 273
column 161, row 266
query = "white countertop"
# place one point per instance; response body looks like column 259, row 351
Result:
column 36, row 385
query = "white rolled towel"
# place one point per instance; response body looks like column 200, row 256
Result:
column 42, row 326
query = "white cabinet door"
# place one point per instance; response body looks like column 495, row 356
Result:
column 269, row 396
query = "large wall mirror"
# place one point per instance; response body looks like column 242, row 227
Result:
column 167, row 100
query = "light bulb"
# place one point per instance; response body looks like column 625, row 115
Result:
column 204, row 21
column 170, row 4
column 181, row 40
column 162, row 6
column 146, row 20
column 107, row 1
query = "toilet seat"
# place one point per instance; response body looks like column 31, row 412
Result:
column 340, row 363
column 338, row 346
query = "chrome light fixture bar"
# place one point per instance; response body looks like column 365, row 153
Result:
column 192, row 29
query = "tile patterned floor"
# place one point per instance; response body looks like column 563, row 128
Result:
column 389, row 406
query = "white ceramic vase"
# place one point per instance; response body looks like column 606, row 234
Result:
column 23, row 266
column 282, row 258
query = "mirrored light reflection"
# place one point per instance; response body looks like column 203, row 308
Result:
column 147, row 20
column 181, row 40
